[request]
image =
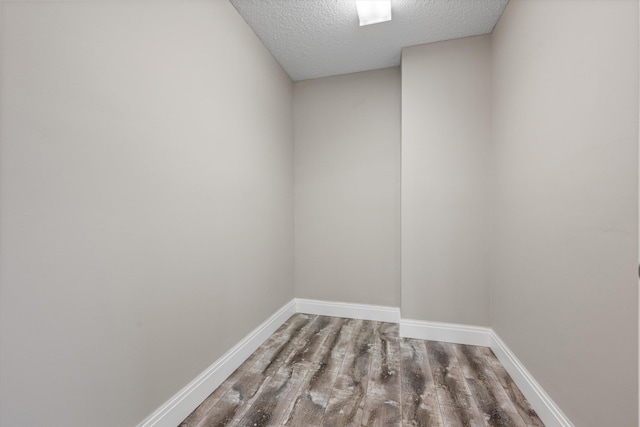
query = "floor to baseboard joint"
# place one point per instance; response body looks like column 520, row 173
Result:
column 186, row 400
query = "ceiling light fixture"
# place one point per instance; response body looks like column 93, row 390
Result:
column 373, row 11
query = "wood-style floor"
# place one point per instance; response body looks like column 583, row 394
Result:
column 331, row 371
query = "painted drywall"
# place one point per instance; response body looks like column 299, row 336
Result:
column 445, row 140
column 347, row 187
column 565, row 161
column 146, row 210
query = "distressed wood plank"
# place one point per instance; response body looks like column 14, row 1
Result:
column 322, row 371
column 345, row 406
column 383, row 400
column 274, row 402
column 457, row 406
column 234, row 403
column 276, row 341
column 420, row 406
column 488, row 392
column 522, row 405
column 309, row 406
column 390, row 330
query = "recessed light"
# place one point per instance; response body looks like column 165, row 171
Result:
column 373, row 11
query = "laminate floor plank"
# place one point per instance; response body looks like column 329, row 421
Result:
column 237, row 400
column 273, row 344
column 491, row 397
column 457, row 405
column 346, row 403
column 420, row 406
column 326, row 371
column 311, row 403
column 274, row 403
column 383, row 399
column 522, row 405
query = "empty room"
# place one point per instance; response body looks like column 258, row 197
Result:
column 288, row 212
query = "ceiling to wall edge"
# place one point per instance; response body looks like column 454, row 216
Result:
column 323, row 38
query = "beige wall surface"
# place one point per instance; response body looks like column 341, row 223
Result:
column 347, row 187
column 146, row 208
column 565, row 141
column 445, row 139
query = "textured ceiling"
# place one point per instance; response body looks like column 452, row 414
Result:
column 319, row 38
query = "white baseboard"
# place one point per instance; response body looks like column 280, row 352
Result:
column 447, row 332
column 186, row 400
column 378, row 313
column 550, row 414
column 176, row 409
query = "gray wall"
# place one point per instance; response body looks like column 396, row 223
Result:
column 565, row 141
column 145, row 202
column 347, row 187
column 445, row 140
